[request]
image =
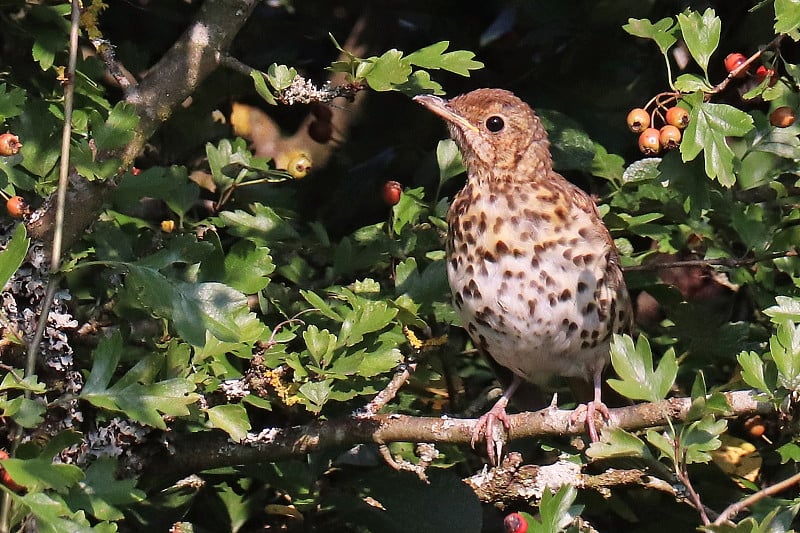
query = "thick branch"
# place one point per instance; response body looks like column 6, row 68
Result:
column 173, row 79
column 196, row 452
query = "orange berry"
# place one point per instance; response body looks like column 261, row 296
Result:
column 649, row 143
column 17, row 207
column 9, row 144
column 782, row 117
column 391, row 192
column 669, row 137
column 5, row 478
column 638, row 120
column 733, row 61
column 678, row 117
column 763, row 72
column 755, row 426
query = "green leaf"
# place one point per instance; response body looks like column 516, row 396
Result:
column 388, row 70
column 617, row 442
column 784, row 346
column 260, row 85
column 634, row 365
column 316, row 393
column 247, row 267
column 787, row 17
column 662, row 32
column 409, row 209
column 135, row 393
column 449, row 159
column 280, row 76
column 433, row 57
column 689, row 83
column 29, row 383
column 118, row 130
column 41, row 473
column 701, row 437
column 707, row 129
column 101, row 493
column 555, row 512
column 701, row 34
column 12, row 257
column 318, row 303
column 320, row 344
column 11, row 102
column 787, row 308
column 230, row 418
column 263, row 226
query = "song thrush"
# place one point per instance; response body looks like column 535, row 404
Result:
column 534, row 272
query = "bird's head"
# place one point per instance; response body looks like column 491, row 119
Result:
column 497, row 133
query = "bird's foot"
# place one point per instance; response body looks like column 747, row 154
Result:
column 586, row 412
column 487, row 428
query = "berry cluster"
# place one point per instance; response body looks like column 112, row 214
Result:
column 673, row 119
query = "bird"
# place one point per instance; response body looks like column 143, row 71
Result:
column 534, row 273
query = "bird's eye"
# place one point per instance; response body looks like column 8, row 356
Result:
column 494, row 123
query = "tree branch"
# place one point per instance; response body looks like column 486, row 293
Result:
column 201, row 451
column 176, row 76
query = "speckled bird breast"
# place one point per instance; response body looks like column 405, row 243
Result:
column 534, row 277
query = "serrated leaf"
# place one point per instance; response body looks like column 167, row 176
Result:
column 247, row 267
column 388, row 70
column 787, row 17
column 662, row 32
column 280, row 76
column 634, row 365
column 617, row 442
column 41, row 473
column 316, row 393
column 701, row 437
column 689, row 83
column 701, row 34
column 662, row 443
column 459, row 61
column 230, row 418
column 263, row 226
column 707, row 129
column 320, row 344
column 787, row 308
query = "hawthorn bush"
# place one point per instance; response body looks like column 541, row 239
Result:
column 232, row 217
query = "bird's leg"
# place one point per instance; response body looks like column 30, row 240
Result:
column 486, row 424
column 592, row 407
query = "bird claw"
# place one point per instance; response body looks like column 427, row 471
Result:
column 486, row 427
column 586, row 411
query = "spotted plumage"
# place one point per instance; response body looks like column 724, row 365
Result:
column 534, row 273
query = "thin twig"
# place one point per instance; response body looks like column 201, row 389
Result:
column 52, row 285
column 683, row 477
column 399, row 379
column 234, row 64
column 736, row 508
column 744, row 66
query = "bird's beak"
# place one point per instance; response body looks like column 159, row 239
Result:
column 439, row 107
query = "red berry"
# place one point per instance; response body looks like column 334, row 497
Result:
column 669, row 137
column 638, row 120
column 5, row 479
column 649, row 143
column 136, row 171
column 734, row 61
column 763, row 72
column 391, row 192
column 678, row 117
column 17, row 207
column 782, row 117
column 9, row 144
column 515, row 523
